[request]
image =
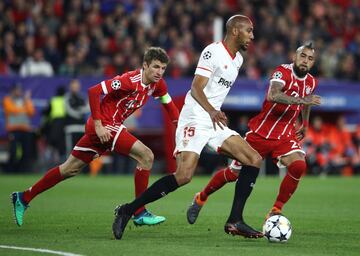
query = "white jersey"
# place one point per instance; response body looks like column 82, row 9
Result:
column 222, row 69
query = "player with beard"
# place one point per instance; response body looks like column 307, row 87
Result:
column 202, row 122
column 272, row 133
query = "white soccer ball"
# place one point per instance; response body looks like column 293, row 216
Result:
column 277, row 229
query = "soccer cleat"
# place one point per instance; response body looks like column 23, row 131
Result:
column 272, row 212
column 19, row 207
column 194, row 209
column 121, row 220
column 240, row 228
column 147, row 218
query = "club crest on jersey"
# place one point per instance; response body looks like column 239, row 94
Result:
column 307, row 90
column 115, row 84
column 277, row 75
column 207, row 55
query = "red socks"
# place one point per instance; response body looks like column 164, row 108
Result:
column 50, row 179
column 219, row 179
column 290, row 182
column 141, row 179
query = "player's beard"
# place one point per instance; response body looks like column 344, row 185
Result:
column 299, row 72
column 243, row 48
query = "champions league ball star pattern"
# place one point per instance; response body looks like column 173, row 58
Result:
column 277, row 229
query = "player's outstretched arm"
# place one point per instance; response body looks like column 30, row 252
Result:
column 276, row 94
column 197, row 92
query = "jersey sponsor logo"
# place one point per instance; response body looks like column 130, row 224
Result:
column 207, row 55
column 225, row 83
column 307, row 90
column 277, row 75
column 115, row 84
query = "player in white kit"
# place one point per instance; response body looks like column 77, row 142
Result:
column 202, row 122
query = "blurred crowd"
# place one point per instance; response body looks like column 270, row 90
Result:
column 93, row 37
column 62, row 124
column 331, row 148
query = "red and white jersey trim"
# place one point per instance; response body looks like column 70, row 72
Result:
column 103, row 86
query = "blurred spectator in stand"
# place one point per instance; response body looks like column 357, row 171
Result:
column 329, row 60
column 343, row 154
column 54, row 124
column 36, row 65
column 317, row 147
column 76, row 108
column 347, row 68
column 357, row 143
column 52, row 53
column 117, row 66
column 18, row 109
column 69, row 67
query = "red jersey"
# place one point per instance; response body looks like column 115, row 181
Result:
column 126, row 93
column 277, row 120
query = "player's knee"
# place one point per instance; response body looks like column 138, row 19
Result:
column 255, row 160
column 70, row 172
column 297, row 169
column 183, row 178
column 147, row 159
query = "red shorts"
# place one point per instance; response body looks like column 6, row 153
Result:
column 271, row 148
column 90, row 147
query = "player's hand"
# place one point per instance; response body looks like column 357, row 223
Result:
column 218, row 118
column 312, row 100
column 103, row 134
column 300, row 133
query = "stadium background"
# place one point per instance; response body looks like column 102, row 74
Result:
column 94, row 40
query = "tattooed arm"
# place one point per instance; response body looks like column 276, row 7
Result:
column 276, row 94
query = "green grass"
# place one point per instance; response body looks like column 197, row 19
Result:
column 76, row 216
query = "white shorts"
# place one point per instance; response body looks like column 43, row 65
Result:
column 193, row 137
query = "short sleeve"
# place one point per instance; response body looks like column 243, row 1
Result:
column 207, row 62
column 280, row 75
column 160, row 89
column 115, row 84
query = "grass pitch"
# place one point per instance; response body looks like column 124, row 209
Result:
column 76, row 217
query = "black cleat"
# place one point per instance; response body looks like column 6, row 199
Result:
column 240, row 228
column 120, row 221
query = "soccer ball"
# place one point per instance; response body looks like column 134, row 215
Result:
column 277, row 229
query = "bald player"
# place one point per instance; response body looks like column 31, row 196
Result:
column 272, row 134
column 202, row 122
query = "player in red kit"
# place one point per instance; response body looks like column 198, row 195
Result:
column 104, row 131
column 272, row 133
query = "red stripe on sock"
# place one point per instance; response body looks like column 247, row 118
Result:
column 141, row 179
column 50, row 179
